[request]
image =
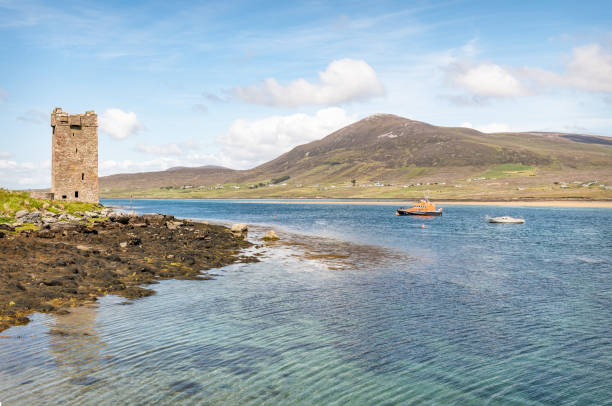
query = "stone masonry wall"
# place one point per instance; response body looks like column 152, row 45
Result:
column 74, row 163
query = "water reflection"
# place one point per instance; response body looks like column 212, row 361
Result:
column 76, row 345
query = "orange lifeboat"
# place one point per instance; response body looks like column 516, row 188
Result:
column 422, row 208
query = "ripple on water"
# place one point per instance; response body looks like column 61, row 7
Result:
column 458, row 313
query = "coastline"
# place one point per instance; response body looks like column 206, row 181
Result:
column 64, row 265
column 577, row 203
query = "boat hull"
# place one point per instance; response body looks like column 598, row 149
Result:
column 401, row 212
column 506, row 220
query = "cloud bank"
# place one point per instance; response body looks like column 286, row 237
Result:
column 15, row 174
column 249, row 143
column 589, row 69
column 344, row 80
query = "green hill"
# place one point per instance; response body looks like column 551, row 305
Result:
column 407, row 156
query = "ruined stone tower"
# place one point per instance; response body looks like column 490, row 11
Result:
column 74, row 163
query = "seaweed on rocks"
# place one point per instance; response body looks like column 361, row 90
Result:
column 67, row 264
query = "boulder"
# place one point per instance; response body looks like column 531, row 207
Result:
column 48, row 220
column 68, row 217
column 32, row 217
column 65, row 227
column 239, row 229
column 6, row 227
column 21, row 213
column 44, row 234
column 92, row 214
column 154, row 218
column 173, row 225
column 270, row 236
column 121, row 218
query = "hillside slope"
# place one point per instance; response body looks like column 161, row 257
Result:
column 388, row 147
column 179, row 176
column 393, row 149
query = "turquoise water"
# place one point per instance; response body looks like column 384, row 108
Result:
column 460, row 312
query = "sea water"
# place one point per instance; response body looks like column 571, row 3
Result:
column 460, row 312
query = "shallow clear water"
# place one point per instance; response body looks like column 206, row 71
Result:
column 460, row 312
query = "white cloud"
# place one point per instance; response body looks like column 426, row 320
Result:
column 486, row 80
column 589, row 69
column 5, row 155
column 249, row 143
column 119, row 124
column 3, row 95
column 344, row 80
column 489, row 128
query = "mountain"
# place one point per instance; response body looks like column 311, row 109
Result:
column 389, row 148
column 385, row 145
column 177, row 176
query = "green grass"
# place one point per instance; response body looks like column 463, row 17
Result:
column 13, row 201
column 26, row 226
column 509, row 170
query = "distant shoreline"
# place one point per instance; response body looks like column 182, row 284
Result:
column 578, row 203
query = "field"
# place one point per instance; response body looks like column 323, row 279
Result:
column 503, row 182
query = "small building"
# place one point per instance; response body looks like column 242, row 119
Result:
column 74, row 162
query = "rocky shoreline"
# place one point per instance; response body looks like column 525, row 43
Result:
column 52, row 261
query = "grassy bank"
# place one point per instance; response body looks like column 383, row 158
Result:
column 12, row 202
column 481, row 188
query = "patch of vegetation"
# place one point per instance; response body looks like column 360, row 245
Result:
column 509, row 170
column 281, row 179
column 12, row 201
column 27, row 226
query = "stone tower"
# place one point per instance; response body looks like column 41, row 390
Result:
column 74, row 163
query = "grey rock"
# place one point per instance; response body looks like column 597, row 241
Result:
column 48, row 220
column 6, row 227
column 21, row 213
column 32, row 217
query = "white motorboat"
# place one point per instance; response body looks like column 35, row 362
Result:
column 505, row 220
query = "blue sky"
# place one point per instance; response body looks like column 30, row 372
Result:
column 238, row 83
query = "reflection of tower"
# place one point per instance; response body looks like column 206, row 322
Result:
column 76, row 345
column 74, row 163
